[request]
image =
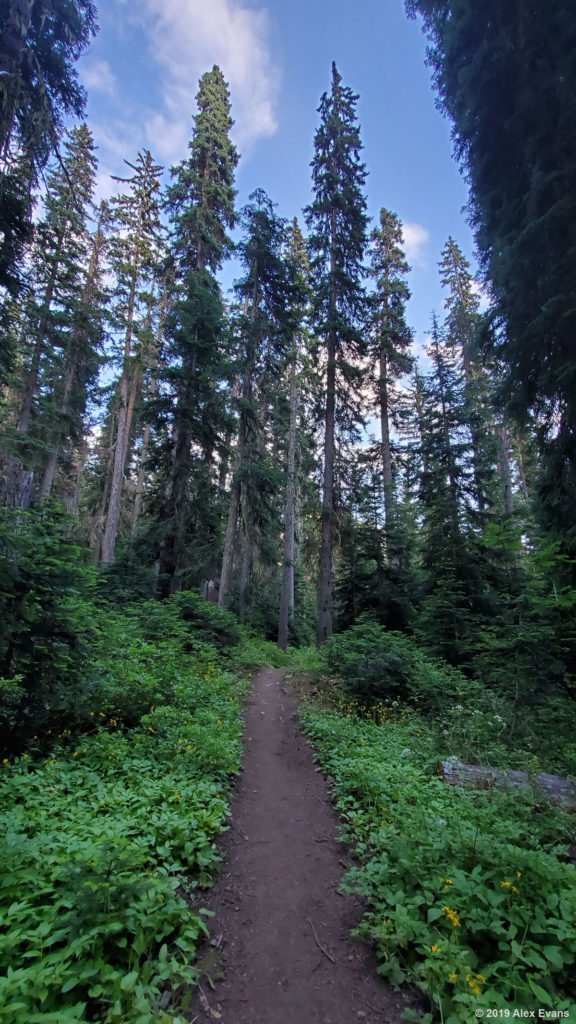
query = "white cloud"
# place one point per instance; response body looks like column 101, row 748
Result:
column 416, row 238
column 186, row 38
column 483, row 294
column 100, row 77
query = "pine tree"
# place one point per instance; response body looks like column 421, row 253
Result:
column 389, row 343
column 201, row 205
column 80, row 361
column 135, row 253
column 504, row 75
column 337, row 221
column 59, row 258
column 265, row 328
column 40, row 41
column 298, row 255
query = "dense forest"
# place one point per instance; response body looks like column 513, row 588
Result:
column 196, row 478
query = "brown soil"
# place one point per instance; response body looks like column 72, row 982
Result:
column 281, row 930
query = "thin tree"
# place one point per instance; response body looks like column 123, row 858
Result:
column 337, row 221
column 389, row 343
column 135, row 251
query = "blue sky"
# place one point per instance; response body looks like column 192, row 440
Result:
column 142, row 75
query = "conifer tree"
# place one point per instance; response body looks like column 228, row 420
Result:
column 40, row 42
column 389, row 342
column 265, row 327
column 59, row 258
column 337, row 221
column 65, row 406
column 298, row 254
column 135, row 252
column 504, row 76
column 200, row 201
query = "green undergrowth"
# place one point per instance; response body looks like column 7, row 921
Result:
column 469, row 893
column 110, row 825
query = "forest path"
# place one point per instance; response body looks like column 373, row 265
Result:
column 282, row 927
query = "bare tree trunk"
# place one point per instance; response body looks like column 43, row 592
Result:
column 287, row 594
column 122, row 437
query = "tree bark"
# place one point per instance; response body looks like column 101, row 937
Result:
column 33, row 372
column 327, row 534
column 287, row 594
column 504, row 468
column 123, row 432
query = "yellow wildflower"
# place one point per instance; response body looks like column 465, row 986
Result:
column 435, row 948
column 505, row 885
column 453, row 977
column 452, row 915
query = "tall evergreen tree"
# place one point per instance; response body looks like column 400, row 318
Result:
column 265, row 327
column 298, row 255
column 338, row 223
column 389, row 343
column 504, row 75
column 59, row 258
column 40, row 42
column 65, row 405
column 201, row 205
column 135, row 253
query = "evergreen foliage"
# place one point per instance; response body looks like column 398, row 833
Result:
column 40, row 41
column 505, row 79
column 338, row 223
column 200, row 202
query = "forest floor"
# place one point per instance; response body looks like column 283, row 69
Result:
column 280, row 950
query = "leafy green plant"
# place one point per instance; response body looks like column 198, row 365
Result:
column 107, row 838
column 466, row 894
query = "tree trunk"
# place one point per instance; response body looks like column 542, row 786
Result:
column 287, row 594
column 33, row 372
column 504, row 468
column 232, row 524
column 122, row 436
column 73, row 355
column 50, row 468
column 228, row 554
column 327, row 534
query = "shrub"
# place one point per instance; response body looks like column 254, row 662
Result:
column 46, row 623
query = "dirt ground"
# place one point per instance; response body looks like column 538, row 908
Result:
column 281, row 931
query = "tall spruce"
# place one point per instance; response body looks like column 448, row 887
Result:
column 75, row 374
column 504, row 75
column 390, row 340
column 265, row 329
column 40, row 42
column 338, row 224
column 59, row 258
column 298, row 254
column 200, row 201
column 135, row 253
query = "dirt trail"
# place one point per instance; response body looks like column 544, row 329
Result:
column 287, row 954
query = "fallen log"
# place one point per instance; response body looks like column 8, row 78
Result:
column 559, row 791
